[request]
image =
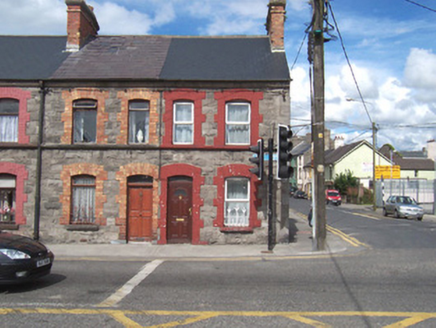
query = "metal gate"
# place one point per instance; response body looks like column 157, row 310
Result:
column 423, row 191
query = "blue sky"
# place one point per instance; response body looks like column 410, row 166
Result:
column 390, row 43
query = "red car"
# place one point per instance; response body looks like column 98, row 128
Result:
column 333, row 196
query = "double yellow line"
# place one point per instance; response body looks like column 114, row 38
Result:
column 353, row 241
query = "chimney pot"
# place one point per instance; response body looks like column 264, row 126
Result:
column 82, row 24
column 275, row 24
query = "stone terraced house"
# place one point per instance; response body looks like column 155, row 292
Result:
column 139, row 138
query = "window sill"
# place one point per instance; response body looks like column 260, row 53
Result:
column 237, row 229
column 8, row 226
column 82, row 227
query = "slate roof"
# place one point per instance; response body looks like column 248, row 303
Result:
column 31, row 57
column 413, row 154
column 420, row 164
column 245, row 58
column 225, row 59
column 301, row 148
column 410, row 160
column 331, row 156
column 117, row 57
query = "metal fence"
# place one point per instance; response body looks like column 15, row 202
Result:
column 423, row 191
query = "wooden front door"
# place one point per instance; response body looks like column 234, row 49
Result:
column 140, row 212
column 179, row 220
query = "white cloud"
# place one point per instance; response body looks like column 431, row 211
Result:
column 230, row 17
column 420, row 73
column 33, row 17
column 115, row 19
column 297, row 5
column 391, row 104
column 366, row 81
column 300, row 100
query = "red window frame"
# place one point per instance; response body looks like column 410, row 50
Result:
column 237, row 95
column 236, row 171
column 184, row 95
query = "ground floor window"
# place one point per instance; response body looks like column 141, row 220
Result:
column 237, row 202
column 7, row 198
column 83, row 200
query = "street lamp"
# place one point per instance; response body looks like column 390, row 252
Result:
column 374, row 131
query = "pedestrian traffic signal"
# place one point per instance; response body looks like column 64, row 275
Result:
column 284, row 156
column 258, row 160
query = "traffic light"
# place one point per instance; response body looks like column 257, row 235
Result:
column 258, row 160
column 284, row 147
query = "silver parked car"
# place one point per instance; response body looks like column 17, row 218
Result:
column 403, row 206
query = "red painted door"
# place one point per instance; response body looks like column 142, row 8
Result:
column 179, row 227
column 140, row 212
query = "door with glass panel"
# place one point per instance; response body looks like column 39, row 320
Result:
column 179, row 220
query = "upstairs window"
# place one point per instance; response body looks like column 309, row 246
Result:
column 9, row 120
column 237, row 123
column 85, row 121
column 183, row 123
column 237, row 202
column 83, row 200
column 139, row 120
column 7, row 198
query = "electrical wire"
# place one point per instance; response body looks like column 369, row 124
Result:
column 357, row 137
column 348, row 61
column 420, row 5
column 299, row 50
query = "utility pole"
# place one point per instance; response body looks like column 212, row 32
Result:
column 319, row 240
column 374, row 147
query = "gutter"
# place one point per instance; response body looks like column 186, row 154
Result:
column 42, row 92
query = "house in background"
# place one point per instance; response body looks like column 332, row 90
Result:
column 302, row 160
column 414, row 164
column 357, row 158
column 139, row 138
column 339, row 158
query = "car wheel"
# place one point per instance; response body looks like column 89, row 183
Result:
column 420, row 218
column 396, row 214
column 385, row 213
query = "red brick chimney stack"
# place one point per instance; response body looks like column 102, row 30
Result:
column 81, row 24
column 275, row 24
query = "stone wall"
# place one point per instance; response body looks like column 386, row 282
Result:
column 111, row 159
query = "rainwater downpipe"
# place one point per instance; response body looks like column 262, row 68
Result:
column 37, row 211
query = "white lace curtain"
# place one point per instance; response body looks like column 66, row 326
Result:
column 9, row 128
column 238, row 124
column 183, row 123
column 237, row 206
column 83, row 210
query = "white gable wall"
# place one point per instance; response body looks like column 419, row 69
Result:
column 359, row 162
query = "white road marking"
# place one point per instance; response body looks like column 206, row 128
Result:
column 116, row 297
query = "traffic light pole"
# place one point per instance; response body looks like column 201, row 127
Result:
column 271, row 223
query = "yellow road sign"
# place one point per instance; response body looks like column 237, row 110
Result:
column 387, row 171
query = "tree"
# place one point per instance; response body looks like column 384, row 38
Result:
column 345, row 180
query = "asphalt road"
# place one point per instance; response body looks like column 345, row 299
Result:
column 391, row 284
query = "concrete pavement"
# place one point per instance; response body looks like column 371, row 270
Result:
column 298, row 244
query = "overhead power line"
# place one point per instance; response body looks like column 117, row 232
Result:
column 420, row 5
column 348, row 61
column 298, row 53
